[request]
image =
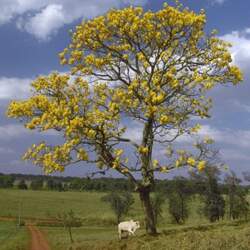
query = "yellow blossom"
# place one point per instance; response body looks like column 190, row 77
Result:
column 191, row 161
column 155, row 163
column 201, row 165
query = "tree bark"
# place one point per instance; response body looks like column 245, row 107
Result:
column 148, row 211
column 147, row 178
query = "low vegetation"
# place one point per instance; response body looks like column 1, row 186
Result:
column 12, row 237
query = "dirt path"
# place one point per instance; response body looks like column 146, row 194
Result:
column 7, row 219
column 38, row 241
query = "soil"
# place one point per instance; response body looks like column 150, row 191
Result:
column 38, row 240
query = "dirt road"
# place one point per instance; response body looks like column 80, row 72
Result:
column 38, row 241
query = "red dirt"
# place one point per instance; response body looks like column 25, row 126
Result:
column 38, row 240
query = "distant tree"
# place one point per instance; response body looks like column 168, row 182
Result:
column 69, row 220
column 214, row 208
column 246, row 176
column 50, row 184
column 6, row 181
column 120, row 203
column 178, row 196
column 157, row 201
column 214, row 203
column 177, row 209
column 36, row 184
column 22, row 185
column 65, row 186
column 77, row 184
column 59, row 186
column 208, row 180
column 237, row 197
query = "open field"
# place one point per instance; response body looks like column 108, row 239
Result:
column 12, row 238
column 86, row 205
column 47, row 204
column 99, row 230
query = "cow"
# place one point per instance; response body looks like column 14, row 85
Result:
column 128, row 226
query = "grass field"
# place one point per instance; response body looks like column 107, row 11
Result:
column 87, row 205
column 12, row 238
column 44, row 204
column 99, row 230
column 229, row 235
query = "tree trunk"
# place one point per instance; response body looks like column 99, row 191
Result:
column 148, row 211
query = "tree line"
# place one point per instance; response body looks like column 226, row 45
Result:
column 56, row 183
column 195, row 183
column 218, row 198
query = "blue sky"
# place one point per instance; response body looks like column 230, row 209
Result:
column 33, row 32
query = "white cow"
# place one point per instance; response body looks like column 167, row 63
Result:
column 128, row 226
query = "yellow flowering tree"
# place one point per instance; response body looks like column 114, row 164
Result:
column 129, row 65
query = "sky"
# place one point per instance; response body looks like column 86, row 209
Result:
column 33, row 32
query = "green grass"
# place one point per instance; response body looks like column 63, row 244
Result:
column 224, row 236
column 12, row 238
column 87, row 205
column 99, row 230
column 59, row 238
column 44, row 204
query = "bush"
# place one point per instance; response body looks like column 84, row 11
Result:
column 119, row 203
column 157, row 202
column 177, row 208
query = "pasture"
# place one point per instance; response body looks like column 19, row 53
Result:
column 86, row 205
column 99, row 230
column 12, row 238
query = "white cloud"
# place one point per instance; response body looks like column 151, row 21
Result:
column 42, row 18
column 12, row 8
column 44, row 23
column 237, row 138
column 14, row 88
column 226, row 137
column 218, row 1
column 14, row 131
column 240, row 50
column 134, row 132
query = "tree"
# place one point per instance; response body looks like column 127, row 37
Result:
column 214, row 208
column 208, row 186
column 22, row 185
column 178, row 197
column 69, row 220
column 237, row 197
column 152, row 68
column 157, row 203
column 6, row 181
column 246, row 176
column 119, row 203
column 36, row 184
